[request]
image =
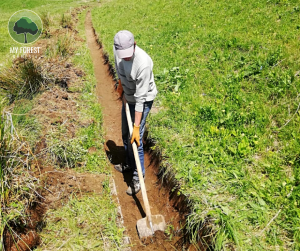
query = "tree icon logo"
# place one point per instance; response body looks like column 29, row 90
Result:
column 25, row 26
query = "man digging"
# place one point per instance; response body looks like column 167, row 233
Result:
column 134, row 68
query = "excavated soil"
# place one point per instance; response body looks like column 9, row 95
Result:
column 132, row 206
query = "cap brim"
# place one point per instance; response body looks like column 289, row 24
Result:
column 127, row 53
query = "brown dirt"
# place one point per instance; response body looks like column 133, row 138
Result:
column 132, row 207
column 60, row 184
column 59, row 107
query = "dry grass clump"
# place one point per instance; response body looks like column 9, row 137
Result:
column 62, row 47
column 66, row 20
column 23, row 79
column 47, row 20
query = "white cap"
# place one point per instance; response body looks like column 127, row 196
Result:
column 124, row 44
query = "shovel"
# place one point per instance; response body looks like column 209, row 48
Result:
column 151, row 223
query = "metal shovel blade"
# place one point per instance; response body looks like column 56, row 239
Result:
column 144, row 229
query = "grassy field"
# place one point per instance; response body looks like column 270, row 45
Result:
column 228, row 81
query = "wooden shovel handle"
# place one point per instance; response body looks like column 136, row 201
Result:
column 138, row 165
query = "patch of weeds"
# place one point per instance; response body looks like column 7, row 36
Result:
column 62, row 47
column 66, row 20
column 27, row 125
column 89, row 222
column 226, row 231
column 170, row 231
column 90, row 132
column 67, row 153
column 96, row 160
column 105, row 185
column 279, row 83
column 96, row 163
column 172, row 80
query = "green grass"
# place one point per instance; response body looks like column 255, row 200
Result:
column 86, row 223
column 67, row 152
column 27, row 125
column 227, row 75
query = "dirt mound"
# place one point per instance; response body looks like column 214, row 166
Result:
column 57, row 107
column 60, row 185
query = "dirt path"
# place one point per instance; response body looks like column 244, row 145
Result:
column 132, row 207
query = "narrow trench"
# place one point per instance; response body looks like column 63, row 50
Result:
column 131, row 206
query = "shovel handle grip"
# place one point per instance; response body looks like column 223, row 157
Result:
column 138, row 165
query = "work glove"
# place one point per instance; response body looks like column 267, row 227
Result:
column 120, row 88
column 136, row 134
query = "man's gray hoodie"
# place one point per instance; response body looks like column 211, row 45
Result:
column 137, row 78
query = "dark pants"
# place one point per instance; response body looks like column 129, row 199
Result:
column 126, row 137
